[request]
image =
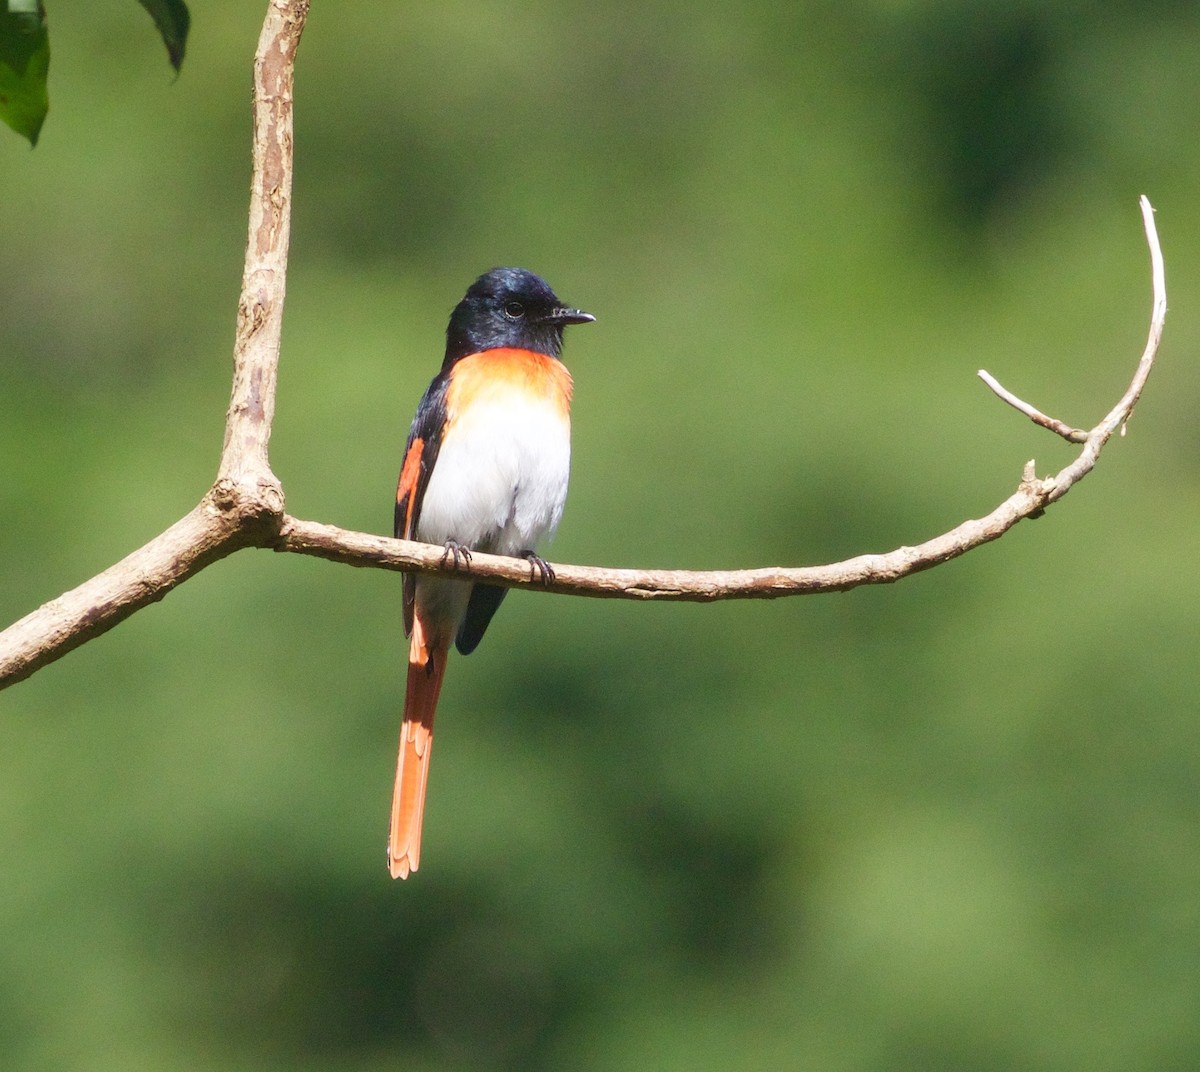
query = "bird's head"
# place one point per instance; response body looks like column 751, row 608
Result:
column 509, row 307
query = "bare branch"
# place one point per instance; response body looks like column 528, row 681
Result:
column 209, row 532
column 1120, row 413
column 694, row 586
column 260, row 307
column 245, row 506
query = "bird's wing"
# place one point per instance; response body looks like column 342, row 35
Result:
column 420, row 456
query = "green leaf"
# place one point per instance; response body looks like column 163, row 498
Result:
column 172, row 19
column 24, row 63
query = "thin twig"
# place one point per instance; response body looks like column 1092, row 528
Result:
column 1123, row 410
column 1072, row 435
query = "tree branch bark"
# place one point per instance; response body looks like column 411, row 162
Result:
column 244, row 461
column 245, row 505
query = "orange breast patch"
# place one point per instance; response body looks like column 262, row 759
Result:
column 503, row 370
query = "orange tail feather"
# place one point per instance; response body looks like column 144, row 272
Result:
column 426, row 669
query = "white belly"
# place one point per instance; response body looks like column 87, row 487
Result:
column 500, row 479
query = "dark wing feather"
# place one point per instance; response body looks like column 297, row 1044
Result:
column 485, row 601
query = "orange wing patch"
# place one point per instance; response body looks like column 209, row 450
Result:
column 406, row 490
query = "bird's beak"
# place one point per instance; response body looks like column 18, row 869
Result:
column 570, row 316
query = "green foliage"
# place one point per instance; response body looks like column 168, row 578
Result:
column 947, row 825
column 24, row 61
column 172, row 19
column 25, row 57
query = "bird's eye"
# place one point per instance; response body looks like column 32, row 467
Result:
column 514, row 310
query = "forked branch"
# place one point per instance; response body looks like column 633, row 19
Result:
column 245, row 505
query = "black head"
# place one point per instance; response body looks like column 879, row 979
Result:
column 509, row 307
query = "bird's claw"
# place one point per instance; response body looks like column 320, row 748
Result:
column 458, row 552
column 538, row 565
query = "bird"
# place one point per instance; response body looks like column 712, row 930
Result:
column 485, row 469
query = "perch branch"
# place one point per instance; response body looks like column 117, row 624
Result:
column 695, row 586
column 245, row 505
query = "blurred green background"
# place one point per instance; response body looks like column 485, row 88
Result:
column 950, row 824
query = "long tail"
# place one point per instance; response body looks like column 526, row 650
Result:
column 426, row 667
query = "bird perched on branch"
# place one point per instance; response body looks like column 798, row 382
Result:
column 485, row 469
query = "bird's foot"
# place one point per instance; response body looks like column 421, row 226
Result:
column 538, row 565
column 460, row 553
